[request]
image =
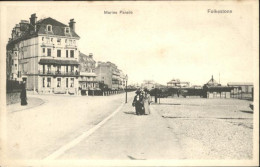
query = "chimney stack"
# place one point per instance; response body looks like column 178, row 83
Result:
column 33, row 19
column 72, row 24
column 91, row 55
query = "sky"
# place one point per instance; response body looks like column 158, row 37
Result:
column 160, row 40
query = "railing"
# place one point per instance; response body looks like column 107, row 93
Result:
column 61, row 73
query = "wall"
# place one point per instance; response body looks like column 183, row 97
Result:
column 13, row 97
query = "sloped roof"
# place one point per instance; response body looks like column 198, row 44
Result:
column 58, row 28
column 212, row 82
column 51, row 21
column 84, row 57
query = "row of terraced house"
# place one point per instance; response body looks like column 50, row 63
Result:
column 45, row 55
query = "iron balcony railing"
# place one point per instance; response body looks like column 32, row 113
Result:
column 59, row 73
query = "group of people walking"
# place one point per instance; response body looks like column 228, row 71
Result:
column 141, row 102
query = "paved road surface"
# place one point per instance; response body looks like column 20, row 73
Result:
column 129, row 137
column 90, row 128
column 36, row 132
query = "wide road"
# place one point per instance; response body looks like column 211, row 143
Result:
column 36, row 132
column 91, row 128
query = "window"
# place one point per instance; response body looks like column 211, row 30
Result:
column 66, row 41
column 51, row 39
column 71, row 82
column 58, row 69
column 48, row 82
column 72, row 53
column 15, row 66
column 67, row 82
column 70, row 42
column 43, row 50
column 72, row 69
column 58, row 53
column 42, row 38
column 49, row 52
column 58, row 82
column 49, row 28
column 43, row 82
column 67, row 30
column 67, row 53
column 59, row 41
column 49, row 69
column 67, row 68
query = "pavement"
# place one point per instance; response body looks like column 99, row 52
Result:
column 36, row 132
column 127, row 136
column 104, row 127
column 32, row 102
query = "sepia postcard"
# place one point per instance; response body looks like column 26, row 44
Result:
column 129, row 83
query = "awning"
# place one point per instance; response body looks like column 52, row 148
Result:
column 58, row 62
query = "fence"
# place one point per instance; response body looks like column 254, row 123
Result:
column 242, row 96
column 100, row 92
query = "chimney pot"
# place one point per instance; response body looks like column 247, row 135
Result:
column 33, row 19
column 72, row 24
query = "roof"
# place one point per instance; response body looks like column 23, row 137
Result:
column 58, row 28
column 58, row 62
column 51, row 21
column 218, row 88
column 84, row 57
column 240, row 84
column 29, row 31
column 212, row 82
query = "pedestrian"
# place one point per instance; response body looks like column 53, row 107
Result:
column 23, row 96
column 138, row 103
column 147, row 101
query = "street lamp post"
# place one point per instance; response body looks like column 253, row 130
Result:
column 126, row 78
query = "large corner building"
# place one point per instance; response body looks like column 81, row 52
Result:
column 44, row 53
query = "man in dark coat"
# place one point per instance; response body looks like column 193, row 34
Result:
column 138, row 103
column 23, row 96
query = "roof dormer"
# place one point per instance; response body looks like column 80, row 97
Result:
column 67, row 30
column 49, row 28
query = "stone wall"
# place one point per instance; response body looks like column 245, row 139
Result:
column 13, row 97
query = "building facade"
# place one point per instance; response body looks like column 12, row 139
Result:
column 244, row 87
column 87, row 79
column 109, row 74
column 212, row 89
column 47, row 55
column 176, row 83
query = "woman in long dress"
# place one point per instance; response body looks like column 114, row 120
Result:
column 147, row 100
column 23, row 96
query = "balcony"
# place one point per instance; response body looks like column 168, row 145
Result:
column 59, row 73
column 45, row 44
column 67, row 46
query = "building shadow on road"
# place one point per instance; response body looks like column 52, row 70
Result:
column 130, row 112
column 166, row 104
column 247, row 111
